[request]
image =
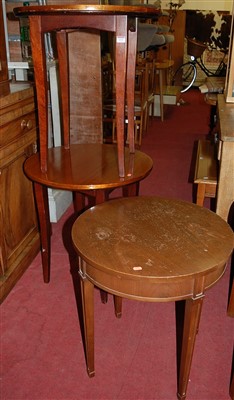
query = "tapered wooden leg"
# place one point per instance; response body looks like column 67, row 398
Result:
column 100, row 197
column 192, row 314
column 87, row 292
column 201, row 189
column 42, row 204
column 104, row 296
column 131, row 66
column 120, row 85
column 79, row 201
column 131, row 190
column 118, row 306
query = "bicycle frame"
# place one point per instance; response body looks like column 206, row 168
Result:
column 189, row 71
column 208, row 73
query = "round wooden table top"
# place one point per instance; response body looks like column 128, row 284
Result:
column 151, row 248
column 75, row 9
column 88, row 167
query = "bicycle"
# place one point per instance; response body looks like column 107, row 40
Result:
column 188, row 70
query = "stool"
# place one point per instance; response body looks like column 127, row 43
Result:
column 162, row 67
column 96, row 168
column 151, row 249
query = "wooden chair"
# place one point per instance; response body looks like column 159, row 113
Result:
column 150, row 87
column 92, row 169
column 142, row 101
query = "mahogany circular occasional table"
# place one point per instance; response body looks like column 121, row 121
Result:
column 91, row 169
column 62, row 18
column 151, row 249
column 70, row 166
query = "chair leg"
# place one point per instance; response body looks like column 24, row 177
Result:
column 161, row 94
column 42, row 204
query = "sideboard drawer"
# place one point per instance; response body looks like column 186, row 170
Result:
column 17, row 127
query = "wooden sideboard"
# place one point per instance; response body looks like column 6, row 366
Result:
column 19, row 237
column 225, row 194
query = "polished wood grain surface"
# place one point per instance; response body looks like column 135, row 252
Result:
column 151, row 249
column 225, row 191
column 71, row 9
column 85, row 169
column 226, row 119
column 152, row 238
column 88, row 167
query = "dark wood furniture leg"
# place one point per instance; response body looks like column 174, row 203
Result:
column 42, row 204
column 121, row 66
column 193, row 307
column 87, row 292
column 131, row 190
column 131, row 67
column 118, row 306
column 78, row 201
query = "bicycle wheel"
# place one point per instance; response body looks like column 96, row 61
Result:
column 187, row 73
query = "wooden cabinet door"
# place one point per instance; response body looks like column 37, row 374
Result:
column 19, row 236
column 18, row 218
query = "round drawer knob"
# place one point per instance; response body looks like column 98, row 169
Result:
column 29, row 124
column 26, row 124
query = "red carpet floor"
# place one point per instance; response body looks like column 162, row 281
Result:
column 41, row 345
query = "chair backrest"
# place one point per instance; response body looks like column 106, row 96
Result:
column 150, row 78
column 144, row 83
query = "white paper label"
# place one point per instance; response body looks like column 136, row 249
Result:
column 120, row 39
